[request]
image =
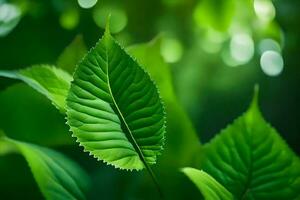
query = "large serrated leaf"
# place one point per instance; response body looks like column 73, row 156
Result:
column 182, row 137
column 252, row 161
column 52, row 82
column 209, row 187
column 114, row 109
column 57, row 176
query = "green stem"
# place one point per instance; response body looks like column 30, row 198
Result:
column 154, row 179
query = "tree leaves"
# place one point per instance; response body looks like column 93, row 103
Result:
column 113, row 108
column 57, row 176
column 209, row 187
column 252, row 161
column 52, row 82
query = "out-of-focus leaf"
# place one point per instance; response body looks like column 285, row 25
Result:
column 9, row 18
column 252, row 161
column 4, row 146
column 72, row 54
column 57, row 176
column 52, row 82
column 209, row 187
column 27, row 115
column 114, row 109
column 216, row 14
column 182, row 138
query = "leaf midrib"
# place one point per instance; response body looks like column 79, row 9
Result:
column 135, row 145
column 250, row 171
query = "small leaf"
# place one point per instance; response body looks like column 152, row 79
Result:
column 52, row 82
column 9, row 18
column 114, row 108
column 209, row 187
column 252, row 161
column 72, row 54
column 57, row 176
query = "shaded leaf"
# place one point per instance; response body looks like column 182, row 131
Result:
column 113, row 108
column 52, row 82
column 209, row 187
column 72, row 54
column 57, row 176
column 23, row 117
column 252, row 161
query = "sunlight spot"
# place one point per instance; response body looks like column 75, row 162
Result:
column 69, row 19
column 9, row 18
column 212, row 41
column 171, row 50
column 269, row 44
column 118, row 18
column 87, row 3
column 265, row 10
column 271, row 63
column 242, row 48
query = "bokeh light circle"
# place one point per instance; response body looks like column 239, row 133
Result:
column 87, row 3
column 271, row 63
column 241, row 48
column 118, row 18
column 171, row 50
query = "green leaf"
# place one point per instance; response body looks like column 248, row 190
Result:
column 52, row 82
column 9, row 18
column 22, row 117
column 182, row 137
column 252, row 161
column 114, row 109
column 209, row 187
column 72, row 54
column 57, row 176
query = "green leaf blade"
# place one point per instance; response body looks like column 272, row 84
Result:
column 252, row 161
column 57, row 176
column 209, row 187
column 72, row 54
column 183, row 141
column 114, row 108
column 50, row 81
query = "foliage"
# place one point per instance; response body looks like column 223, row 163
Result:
column 124, row 105
column 113, row 108
column 208, row 186
column 52, row 82
column 57, row 176
column 250, row 160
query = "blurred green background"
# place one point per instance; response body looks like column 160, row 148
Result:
column 217, row 51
